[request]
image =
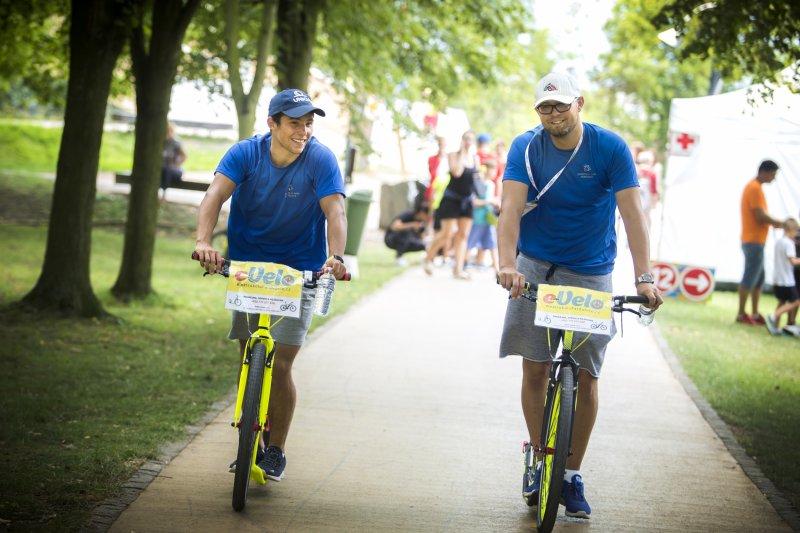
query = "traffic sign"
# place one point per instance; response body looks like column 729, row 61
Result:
column 697, row 283
column 666, row 276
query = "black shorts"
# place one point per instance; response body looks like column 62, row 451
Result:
column 786, row 294
column 453, row 208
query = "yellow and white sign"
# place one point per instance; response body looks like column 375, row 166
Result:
column 573, row 308
column 264, row 288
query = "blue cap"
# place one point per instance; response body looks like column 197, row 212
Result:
column 484, row 138
column 293, row 103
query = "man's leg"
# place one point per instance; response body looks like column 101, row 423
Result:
column 585, row 415
column 283, row 395
column 744, row 292
column 755, row 296
column 534, row 392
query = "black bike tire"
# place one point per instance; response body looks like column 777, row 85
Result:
column 563, row 432
column 247, row 433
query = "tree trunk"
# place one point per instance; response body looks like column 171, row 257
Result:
column 247, row 121
column 154, row 70
column 97, row 34
column 246, row 103
column 297, row 31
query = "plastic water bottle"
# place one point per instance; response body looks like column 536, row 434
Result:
column 646, row 315
column 324, row 294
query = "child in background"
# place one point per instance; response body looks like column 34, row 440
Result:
column 784, row 283
column 483, row 235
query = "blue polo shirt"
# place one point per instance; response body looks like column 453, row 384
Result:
column 573, row 225
column 275, row 213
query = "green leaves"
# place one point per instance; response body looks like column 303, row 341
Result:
column 758, row 39
column 640, row 75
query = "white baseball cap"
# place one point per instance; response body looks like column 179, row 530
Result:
column 557, row 86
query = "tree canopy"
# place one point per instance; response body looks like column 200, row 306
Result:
column 756, row 39
column 33, row 52
column 640, row 75
column 407, row 51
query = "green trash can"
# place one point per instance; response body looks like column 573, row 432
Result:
column 357, row 209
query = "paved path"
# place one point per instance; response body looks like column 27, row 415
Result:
column 408, row 421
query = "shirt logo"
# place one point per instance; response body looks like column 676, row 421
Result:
column 586, row 172
column 291, row 193
column 550, row 87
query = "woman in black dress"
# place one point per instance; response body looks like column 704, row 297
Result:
column 455, row 209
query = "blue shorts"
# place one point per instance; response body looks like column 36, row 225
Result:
column 753, row 277
column 482, row 236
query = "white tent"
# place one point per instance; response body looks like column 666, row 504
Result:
column 717, row 143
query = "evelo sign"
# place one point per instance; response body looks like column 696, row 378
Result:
column 689, row 282
column 697, row 283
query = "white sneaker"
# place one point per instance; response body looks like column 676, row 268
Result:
column 772, row 326
column 401, row 262
column 792, row 330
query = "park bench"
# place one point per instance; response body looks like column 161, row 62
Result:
column 125, row 177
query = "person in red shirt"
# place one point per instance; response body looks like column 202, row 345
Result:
column 434, row 162
column 482, row 149
column 501, row 156
column 648, row 181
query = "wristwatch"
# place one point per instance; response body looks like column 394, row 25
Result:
column 647, row 277
column 341, row 259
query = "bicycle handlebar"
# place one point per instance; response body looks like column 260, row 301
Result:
column 530, row 289
column 226, row 265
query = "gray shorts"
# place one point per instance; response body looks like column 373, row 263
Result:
column 285, row 330
column 522, row 337
column 753, row 276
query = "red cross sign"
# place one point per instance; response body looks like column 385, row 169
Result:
column 683, row 143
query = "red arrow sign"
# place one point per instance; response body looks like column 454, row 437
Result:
column 697, row 283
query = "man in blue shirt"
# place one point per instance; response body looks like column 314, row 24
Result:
column 285, row 185
column 563, row 181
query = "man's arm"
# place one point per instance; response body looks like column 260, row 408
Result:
column 515, row 194
column 764, row 218
column 333, row 207
column 207, row 214
column 630, row 207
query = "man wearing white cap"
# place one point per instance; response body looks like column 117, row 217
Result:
column 563, row 181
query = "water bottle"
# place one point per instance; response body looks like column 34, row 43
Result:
column 322, row 298
column 646, row 315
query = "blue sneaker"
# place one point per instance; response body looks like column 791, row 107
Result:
column 573, row 499
column 274, row 463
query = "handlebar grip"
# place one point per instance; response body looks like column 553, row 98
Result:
column 635, row 300
column 347, row 277
column 195, row 256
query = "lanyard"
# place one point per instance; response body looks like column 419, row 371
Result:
column 535, row 202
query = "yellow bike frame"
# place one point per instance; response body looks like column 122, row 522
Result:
column 260, row 335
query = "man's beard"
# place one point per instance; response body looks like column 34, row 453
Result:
column 559, row 131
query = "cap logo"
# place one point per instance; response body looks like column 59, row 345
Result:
column 550, row 87
column 300, row 96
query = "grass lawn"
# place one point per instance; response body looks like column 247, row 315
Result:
column 750, row 378
column 82, row 402
column 29, row 147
